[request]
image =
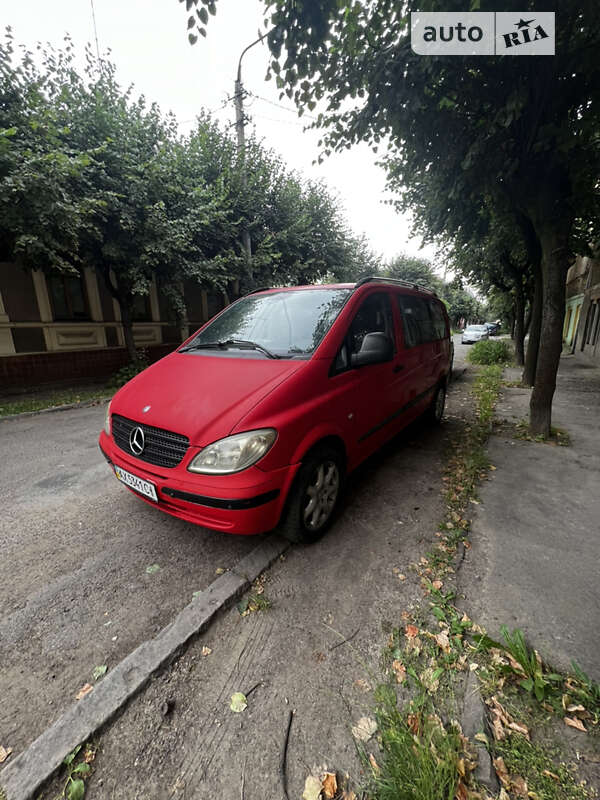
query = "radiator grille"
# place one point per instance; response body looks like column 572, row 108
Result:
column 162, row 448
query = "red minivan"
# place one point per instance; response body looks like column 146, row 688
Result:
column 255, row 420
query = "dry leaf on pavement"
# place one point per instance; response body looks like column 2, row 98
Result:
column 312, row 788
column 549, row 774
column 361, row 684
column 400, row 670
column 519, row 728
column 411, row 631
column 573, row 722
column 364, row 729
column 219, row 571
column 519, row 787
column 461, row 792
column 443, row 641
column 85, row 690
column 206, row 651
column 4, row 753
column 501, row 771
column 329, row 785
column 373, row 763
column 437, row 585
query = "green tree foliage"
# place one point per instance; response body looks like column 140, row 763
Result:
column 92, row 174
column 521, row 132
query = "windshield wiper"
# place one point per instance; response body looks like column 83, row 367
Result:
column 242, row 344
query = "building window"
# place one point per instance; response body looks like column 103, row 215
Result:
column 67, row 295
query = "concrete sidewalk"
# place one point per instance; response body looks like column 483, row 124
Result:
column 535, row 556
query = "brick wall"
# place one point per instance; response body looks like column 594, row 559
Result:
column 27, row 371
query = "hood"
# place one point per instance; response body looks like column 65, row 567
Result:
column 200, row 396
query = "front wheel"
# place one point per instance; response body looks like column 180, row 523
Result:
column 314, row 496
column 435, row 412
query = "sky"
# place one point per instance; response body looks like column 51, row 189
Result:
column 148, row 44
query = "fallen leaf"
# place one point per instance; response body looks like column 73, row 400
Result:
column 364, row 729
column 329, row 785
column 99, row 672
column 89, row 755
column 312, row 788
column 492, row 467
column 373, row 763
column 219, row 571
column 571, row 709
column 206, row 651
column 85, row 689
column 461, row 792
column 396, row 570
column 549, row 774
column 519, row 787
column 481, row 737
column 4, row 753
column 197, row 594
column 348, row 794
column 152, row 568
column 411, row 631
column 401, row 577
column 238, row 702
column 430, row 679
column 501, row 771
column 573, row 722
column 437, row 585
column 519, row 728
column 414, row 723
column 362, row 685
column 443, row 641
column 400, row 670
column 503, row 794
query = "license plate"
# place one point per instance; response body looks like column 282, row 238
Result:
column 143, row 487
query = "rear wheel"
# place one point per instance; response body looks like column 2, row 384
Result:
column 314, row 496
column 435, row 412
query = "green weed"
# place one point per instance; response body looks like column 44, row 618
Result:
column 490, row 352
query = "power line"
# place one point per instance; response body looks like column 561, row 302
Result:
column 278, row 105
column 95, row 29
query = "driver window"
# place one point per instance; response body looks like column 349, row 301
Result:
column 374, row 315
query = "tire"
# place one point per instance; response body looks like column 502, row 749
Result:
column 435, row 412
column 301, row 524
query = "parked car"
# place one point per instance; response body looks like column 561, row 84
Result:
column 258, row 417
column 492, row 328
column 474, row 333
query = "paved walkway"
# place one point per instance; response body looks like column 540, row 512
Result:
column 535, row 559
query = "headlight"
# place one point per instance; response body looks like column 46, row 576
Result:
column 107, row 421
column 234, row 453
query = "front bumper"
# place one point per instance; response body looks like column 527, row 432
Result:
column 245, row 503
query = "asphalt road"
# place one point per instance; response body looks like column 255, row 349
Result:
column 75, row 547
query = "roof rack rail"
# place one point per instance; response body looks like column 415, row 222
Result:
column 259, row 289
column 397, row 281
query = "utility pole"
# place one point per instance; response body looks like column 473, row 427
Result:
column 240, row 120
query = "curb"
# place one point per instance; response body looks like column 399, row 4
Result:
column 474, row 720
column 35, row 765
column 65, row 407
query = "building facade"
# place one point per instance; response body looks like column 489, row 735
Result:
column 64, row 328
column 581, row 331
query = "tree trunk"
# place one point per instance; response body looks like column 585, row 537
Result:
column 519, row 334
column 555, row 263
column 534, row 328
column 127, row 328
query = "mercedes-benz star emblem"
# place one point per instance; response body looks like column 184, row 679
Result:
column 137, row 441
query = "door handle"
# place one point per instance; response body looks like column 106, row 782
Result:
column 398, row 367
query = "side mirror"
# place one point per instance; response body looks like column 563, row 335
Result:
column 375, row 349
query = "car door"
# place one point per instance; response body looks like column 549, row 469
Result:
column 367, row 397
column 418, row 356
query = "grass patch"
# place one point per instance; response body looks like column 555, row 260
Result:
column 60, row 397
column 558, row 436
column 421, row 755
column 488, row 351
column 541, row 770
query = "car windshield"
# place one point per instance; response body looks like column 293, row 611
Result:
column 278, row 324
column 476, row 328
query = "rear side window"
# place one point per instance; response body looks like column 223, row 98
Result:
column 416, row 320
column 439, row 320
